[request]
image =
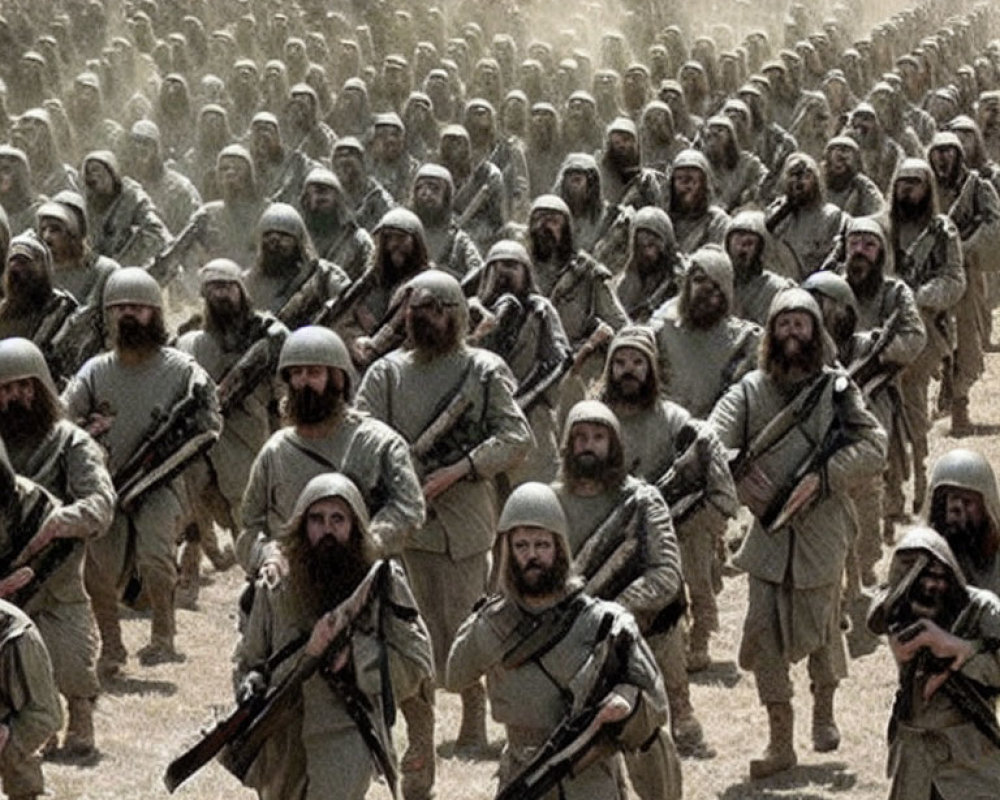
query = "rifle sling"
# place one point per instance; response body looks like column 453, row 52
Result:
column 542, row 635
column 780, row 426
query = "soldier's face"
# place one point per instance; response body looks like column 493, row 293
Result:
column 319, row 198
column 143, row 315
column 429, row 193
column 509, row 276
column 622, row 144
column 963, row 510
column 280, row 244
column 688, row 185
column 389, row 141
column 742, row 247
column 931, row 590
column 264, row 141
column 590, row 441
column 792, row 330
column 98, row 178
column 330, row 516
column 800, row 184
column 223, row 294
column 629, row 370
column 839, row 160
column 533, row 549
column 20, row 392
column 233, row 173
column 55, row 235
column 910, row 191
column 141, row 151
column 944, row 161
column 648, row 247
column 313, row 376
column 399, row 246
column 575, row 184
column 348, row 167
column 863, row 125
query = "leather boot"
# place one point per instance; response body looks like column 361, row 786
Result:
column 780, row 752
column 79, row 739
column 825, row 735
column 417, row 765
column 160, row 649
column 684, row 726
column 961, row 425
column 472, row 732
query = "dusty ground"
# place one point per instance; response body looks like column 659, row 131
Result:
column 152, row 714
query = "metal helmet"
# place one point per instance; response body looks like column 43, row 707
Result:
column 222, row 270
column 443, row 288
column 833, row 286
column 535, row 505
column 747, row 221
column 314, row 345
column 21, row 359
column 283, row 218
column 132, row 285
column 593, row 411
column 967, row 469
column 322, row 487
column 509, row 250
column 401, row 219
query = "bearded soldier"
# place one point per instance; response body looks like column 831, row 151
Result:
column 697, row 331
column 32, row 712
column 544, row 151
column 58, row 456
column 535, row 682
column 738, row 174
column 804, row 437
column 666, row 447
column 321, row 751
column 939, row 630
column 479, row 198
column 312, row 136
column 524, row 329
column 76, row 268
column 964, row 507
column 32, row 133
column 654, row 269
column 123, row 222
column 973, row 206
column 480, row 433
column 624, row 182
column 697, row 220
column 846, row 186
column 506, row 153
column 17, row 196
column 142, row 397
column 280, row 170
column 927, row 255
column 449, row 247
column 801, row 219
column 337, row 236
column 754, row 286
column 881, row 156
column 238, row 348
column 366, row 198
column 659, row 143
column 391, row 165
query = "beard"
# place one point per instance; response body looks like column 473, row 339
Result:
column 702, row 313
column 692, row 204
column 132, row 336
column 838, row 181
column 941, row 605
column 624, row 161
column 784, row 366
column 864, row 282
column 325, row 574
column 535, row 580
column 587, row 466
column 27, row 290
column 629, row 390
column 306, row 406
column 321, row 222
column 433, row 216
column 428, row 340
column 223, row 316
column 275, row 264
column 545, row 246
column 747, row 266
column 20, row 424
column 910, row 210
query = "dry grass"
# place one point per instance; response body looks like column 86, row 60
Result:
column 151, row 715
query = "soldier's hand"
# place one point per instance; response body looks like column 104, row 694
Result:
column 16, row 581
column 274, row 567
column 98, row 424
column 323, row 633
column 53, row 528
column 439, row 481
column 617, row 705
column 362, row 351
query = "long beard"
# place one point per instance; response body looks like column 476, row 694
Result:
column 428, row 340
column 133, row 336
column 27, row 291
column 276, row 265
column 225, row 318
column 322, row 223
column 784, row 367
column 703, row 315
column 627, row 390
column 309, row 407
column 324, row 575
column 864, row 287
column 433, row 216
column 909, row 210
column 20, row 425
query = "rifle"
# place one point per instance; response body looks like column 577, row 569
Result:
column 60, row 309
column 644, row 308
column 966, row 219
column 243, row 377
column 333, row 310
column 870, row 374
column 683, row 495
column 738, row 365
column 607, row 537
column 474, row 207
column 578, row 735
column 436, row 443
column 499, row 325
column 81, row 337
column 777, row 213
column 911, row 265
column 306, row 293
column 171, row 442
column 162, row 264
column 238, row 738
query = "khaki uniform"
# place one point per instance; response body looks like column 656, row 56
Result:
column 447, row 558
column 320, row 753
column 29, row 703
column 795, row 572
column 349, row 246
column 860, row 198
column 175, row 198
column 451, row 249
column 273, row 293
column 532, row 699
column 810, row 234
column 130, row 230
column 752, row 298
column 371, row 454
column 695, row 232
column 69, row 464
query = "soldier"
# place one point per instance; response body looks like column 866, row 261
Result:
column 173, row 195
column 391, row 165
column 212, row 134
column 280, row 171
column 581, row 130
column 288, row 279
column 846, row 186
column 17, row 195
column 801, row 219
column 85, row 106
column 450, row 248
column 780, row 418
column 366, row 198
column 530, row 694
column 703, row 347
column 55, row 454
column 974, row 208
column 593, row 217
column 659, row 143
column 458, row 451
column 624, row 182
column 654, row 269
column 881, row 156
column 697, row 220
column 312, row 136
column 964, row 507
column 524, row 329
column 754, row 286
column 33, row 134
column 479, row 198
column 33, row 712
column 335, row 233
column 737, row 174
column 927, row 255
column 506, row 153
column 928, row 596
column 321, row 750
column 141, row 396
column 124, row 224
column 32, row 307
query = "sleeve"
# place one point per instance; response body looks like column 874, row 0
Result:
column 411, row 661
column 78, row 397
column 469, row 657
column 255, row 647
column 404, row 510
column 509, row 436
column 911, row 335
column 865, row 453
column 729, row 417
column 253, row 536
column 606, row 304
column 945, row 288
column 661, row 579
column 90, row 504
column 28, row 691
column 650, row 710
column 371, row 396
column 987, row 208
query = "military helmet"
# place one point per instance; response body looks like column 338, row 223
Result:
column 443, row 288
column 401, row 219
column 550, row 203
column 328, row 485
column 715, row 262
column 283, row 218
column 593, row 411
column 967, row 469
column 535, row 505
column 132, row 285
column 20, row 359
column 222, row 270
column 508, row 250
column 831, row 285
column 314, row 345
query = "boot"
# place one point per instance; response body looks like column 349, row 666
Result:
column 471, row 740
column 780, row 752
column 417, row 765
column 825, row 735
column 79, row 741
column 222, row 558
column 961, row 425
column 698, row 658
column 684, row 726
column 188, row 577
column 160, row 649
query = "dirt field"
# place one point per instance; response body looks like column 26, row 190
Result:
column 152, row 714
